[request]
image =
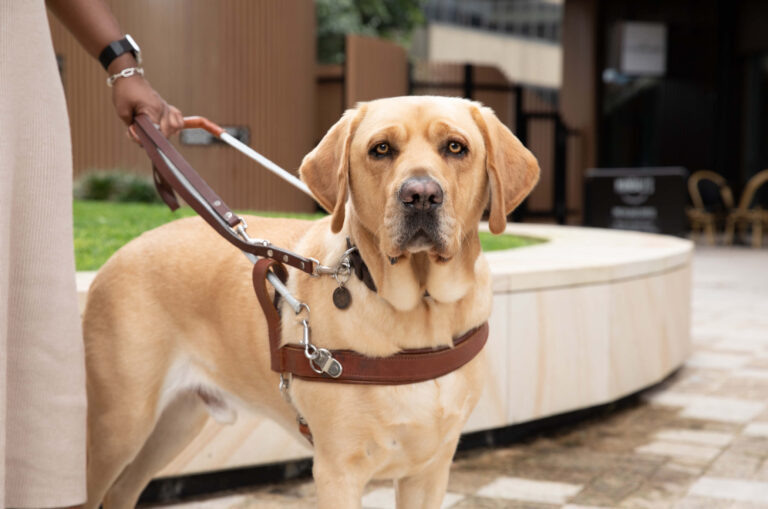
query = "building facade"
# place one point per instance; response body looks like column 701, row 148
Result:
column 668, row 83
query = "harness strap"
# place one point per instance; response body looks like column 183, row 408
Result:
column 406, row 367
column 269, row 307
column 201, row 197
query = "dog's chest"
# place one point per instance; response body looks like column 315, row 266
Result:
column 398, row 429
column 418, row 422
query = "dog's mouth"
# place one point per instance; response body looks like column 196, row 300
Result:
column 420, row 232
column 420, row 241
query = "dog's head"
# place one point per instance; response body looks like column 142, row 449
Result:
column 419, row 171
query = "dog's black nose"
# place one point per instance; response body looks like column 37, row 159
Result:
column 421, row 193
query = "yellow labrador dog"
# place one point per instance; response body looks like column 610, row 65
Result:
column 174, row 333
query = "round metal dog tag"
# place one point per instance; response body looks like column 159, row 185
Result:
column 342, row 298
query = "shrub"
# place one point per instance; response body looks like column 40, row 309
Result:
column 116, row 186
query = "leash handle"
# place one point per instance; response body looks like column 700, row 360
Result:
column 174, row 175
column 220, row 133
column 203, row 123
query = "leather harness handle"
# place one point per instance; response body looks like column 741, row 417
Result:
column 201, row 198
column 260, row 269
column 406, row 367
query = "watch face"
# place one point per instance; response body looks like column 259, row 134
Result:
column 132, row 43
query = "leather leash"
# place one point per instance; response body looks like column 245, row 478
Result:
column 208, row 204
column 306, row 361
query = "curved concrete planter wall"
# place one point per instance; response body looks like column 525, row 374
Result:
column 584, row 319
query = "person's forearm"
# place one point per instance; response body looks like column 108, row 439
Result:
column 94, row 26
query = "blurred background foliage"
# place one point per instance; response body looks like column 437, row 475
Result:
column 390, row 19
column 115, row 185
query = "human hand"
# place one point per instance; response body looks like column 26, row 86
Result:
column 134, row 96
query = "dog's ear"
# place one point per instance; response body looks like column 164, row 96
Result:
column 326, row 169
column 512, row 169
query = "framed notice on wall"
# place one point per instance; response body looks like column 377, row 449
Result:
column 641, row 199
column 638, row 48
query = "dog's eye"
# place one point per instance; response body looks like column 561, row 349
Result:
column 456, row 148
column 381, row 150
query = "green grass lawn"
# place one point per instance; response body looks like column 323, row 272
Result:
column 101, row 228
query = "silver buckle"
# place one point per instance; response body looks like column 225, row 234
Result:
column 323, row 362
column 241, row 228
column 320, row 359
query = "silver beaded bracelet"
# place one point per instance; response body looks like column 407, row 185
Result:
column 125, row 73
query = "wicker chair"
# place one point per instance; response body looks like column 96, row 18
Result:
column 749, row 212
column 712, row 202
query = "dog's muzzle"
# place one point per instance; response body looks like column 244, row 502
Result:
column 421, row 200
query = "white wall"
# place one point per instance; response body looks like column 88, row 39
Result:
column 522, row 60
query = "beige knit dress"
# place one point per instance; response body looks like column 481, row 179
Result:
column 42, row 381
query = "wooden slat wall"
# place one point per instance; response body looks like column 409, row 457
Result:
column 330, row 98
column 238, row 62
column 578, row 92
column 541, row 141
column 374, row 68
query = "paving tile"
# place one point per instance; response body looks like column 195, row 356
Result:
column 750, row 446
column 694, row 502
column 710, row 360
column 384, row 498
column 711, row 407
column 742, row 345
column 753, row 389
column 496, row 503
column 701, row 437
column 467, row 482
column 761, row 374
column 575, row 506
column 734, row 464
column 667, row 485
column 747, row 505
column 680, row 451
column 515, row 488
column 591, row 463
column 731, row 489
column 684, row 468
column 609, row 489
column 756, row 429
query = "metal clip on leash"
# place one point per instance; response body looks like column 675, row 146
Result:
column 320, row 359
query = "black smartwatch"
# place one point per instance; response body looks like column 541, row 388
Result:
column 116, row 48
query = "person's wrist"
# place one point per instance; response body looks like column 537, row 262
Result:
column 124, row 61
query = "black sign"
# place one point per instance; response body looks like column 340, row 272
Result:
column 198, row 136
column 642, row 199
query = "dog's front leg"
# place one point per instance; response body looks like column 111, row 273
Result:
column 426, row 489
column 340, row 482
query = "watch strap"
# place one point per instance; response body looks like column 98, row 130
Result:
column 113, row 50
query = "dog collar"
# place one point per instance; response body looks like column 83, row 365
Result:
column 358, row 266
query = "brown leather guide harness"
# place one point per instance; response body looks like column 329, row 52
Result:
column 173, row 174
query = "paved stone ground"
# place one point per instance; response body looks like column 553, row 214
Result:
column 698, row 441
